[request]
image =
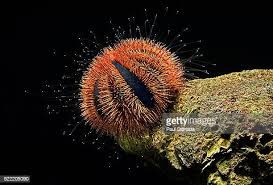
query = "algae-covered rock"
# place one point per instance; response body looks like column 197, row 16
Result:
column 243, row 155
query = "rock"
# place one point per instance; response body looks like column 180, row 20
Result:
column 243, row 156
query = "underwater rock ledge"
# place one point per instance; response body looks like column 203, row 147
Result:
column 215, row 158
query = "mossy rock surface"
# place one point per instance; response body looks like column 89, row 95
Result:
column 215, row 158
column 249, row 92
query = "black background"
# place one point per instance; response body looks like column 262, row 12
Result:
column 236, row 37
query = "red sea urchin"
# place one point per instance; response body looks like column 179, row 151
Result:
column 128, row 86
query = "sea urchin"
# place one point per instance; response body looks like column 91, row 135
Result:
column 128, row 86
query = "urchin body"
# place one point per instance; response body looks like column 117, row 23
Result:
column 128, row 86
